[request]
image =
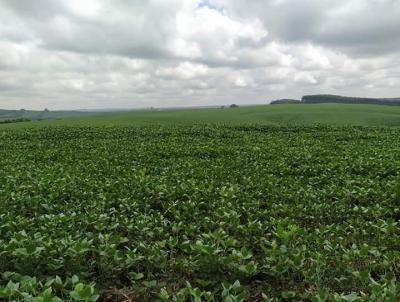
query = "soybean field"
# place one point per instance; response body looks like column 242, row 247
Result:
column 199, row 213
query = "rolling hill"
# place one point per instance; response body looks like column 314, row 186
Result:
column 285, row 114
column 39, row 115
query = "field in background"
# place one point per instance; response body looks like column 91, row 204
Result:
column 296, row 114
column 39, row 115
column 198, row 205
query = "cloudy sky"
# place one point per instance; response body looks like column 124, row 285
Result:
column 64, row 54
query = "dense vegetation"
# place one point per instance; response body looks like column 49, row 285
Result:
column 18, row 120
column 327, row 98
column 200, row 213
column 285, row 101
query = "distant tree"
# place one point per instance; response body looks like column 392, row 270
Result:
column 233, row 106
column 21, row 112
column 285, row 101
column 327, row 98
column 46, row 110
column 17, row 120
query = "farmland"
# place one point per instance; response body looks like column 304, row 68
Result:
column 6, row 115
column 281, row 115
column 199, row 213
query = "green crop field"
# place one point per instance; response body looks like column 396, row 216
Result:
column 237, row 213
column 294, row 114
column 245, row 204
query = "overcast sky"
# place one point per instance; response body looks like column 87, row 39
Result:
column 64, row 54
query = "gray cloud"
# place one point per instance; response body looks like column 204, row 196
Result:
column 104, row 53
column 362, row 27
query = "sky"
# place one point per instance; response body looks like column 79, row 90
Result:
column 75, row 54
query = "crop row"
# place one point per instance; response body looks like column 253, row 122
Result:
column 200, row 213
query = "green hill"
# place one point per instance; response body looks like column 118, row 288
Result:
column 39, row 115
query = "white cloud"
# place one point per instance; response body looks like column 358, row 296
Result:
column 183, row 71
column 104, row 53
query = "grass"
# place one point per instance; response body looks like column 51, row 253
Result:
column 291, row 114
